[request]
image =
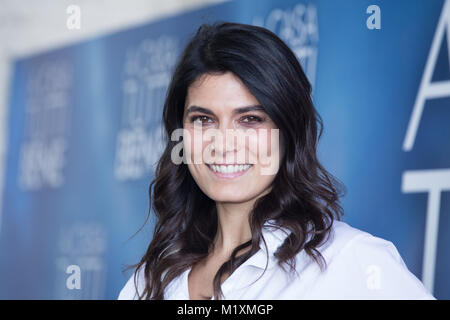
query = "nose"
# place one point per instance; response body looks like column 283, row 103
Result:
column 225, row 144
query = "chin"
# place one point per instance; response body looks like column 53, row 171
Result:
column 229, row 196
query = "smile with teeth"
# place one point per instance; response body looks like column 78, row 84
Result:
column 229, row 168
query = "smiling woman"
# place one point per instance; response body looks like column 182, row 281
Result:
column 227, row 228
column 223, row 177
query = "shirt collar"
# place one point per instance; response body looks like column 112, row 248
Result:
column 274, row 237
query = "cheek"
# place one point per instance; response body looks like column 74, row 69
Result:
column 188, row 144
column 268, row 142
column 252, row 148
column 194, row 146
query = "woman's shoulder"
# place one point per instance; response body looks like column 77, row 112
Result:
column 342, row 235
column 369, row 265
column 347, row 242
column 134, row 286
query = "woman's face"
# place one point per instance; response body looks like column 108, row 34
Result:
column 232, row 153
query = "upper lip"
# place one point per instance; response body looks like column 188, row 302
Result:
column 228, row 164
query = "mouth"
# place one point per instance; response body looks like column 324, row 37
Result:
column 229, row 171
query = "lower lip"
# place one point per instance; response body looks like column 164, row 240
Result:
column 229, row 175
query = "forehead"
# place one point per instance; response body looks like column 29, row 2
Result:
column 219, row 91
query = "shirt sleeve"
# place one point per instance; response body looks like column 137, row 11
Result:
column 375, row 270
column 129, row 291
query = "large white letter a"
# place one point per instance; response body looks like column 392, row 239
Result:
column 428, row 90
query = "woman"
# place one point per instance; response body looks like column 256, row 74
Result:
column 253, row 229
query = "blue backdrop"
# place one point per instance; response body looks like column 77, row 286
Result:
column 84, row 134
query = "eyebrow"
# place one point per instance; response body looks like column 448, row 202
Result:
column 241, row 110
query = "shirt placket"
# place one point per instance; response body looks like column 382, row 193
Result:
column 242, row 277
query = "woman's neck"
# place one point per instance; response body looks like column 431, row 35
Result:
column 233, row 226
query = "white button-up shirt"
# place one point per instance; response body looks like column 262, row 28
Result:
column 359, row 266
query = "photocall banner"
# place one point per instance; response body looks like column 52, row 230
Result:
column 84, row 135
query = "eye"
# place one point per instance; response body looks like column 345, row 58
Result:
column 252, row 119
column 201, row 118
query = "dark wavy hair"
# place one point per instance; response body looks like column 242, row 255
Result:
column 304, row 197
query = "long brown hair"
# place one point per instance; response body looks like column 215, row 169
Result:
column 304, row 197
